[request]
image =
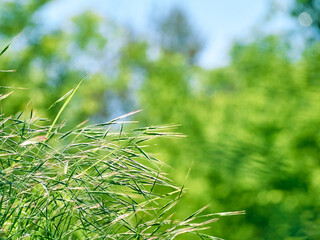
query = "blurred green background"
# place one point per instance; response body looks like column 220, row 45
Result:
column 252, row 125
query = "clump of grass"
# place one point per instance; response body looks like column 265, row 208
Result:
column 86, row 183
column 90, row 182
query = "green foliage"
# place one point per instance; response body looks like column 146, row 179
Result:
column 252, row 132
column 267, row 142
column 252, row 127
column 18, row 15
column 87, row 183
column 48, row 61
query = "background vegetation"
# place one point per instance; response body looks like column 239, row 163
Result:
column 253, row 126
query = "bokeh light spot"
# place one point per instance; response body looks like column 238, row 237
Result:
column 305, row 19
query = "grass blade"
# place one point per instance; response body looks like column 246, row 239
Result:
column 64, row 106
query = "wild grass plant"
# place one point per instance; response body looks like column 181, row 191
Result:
column 89, row 182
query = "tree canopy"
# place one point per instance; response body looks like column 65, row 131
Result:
column 252, row 127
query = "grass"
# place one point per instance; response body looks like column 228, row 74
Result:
column 90, row 182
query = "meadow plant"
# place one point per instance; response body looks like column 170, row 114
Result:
column 89, row 182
